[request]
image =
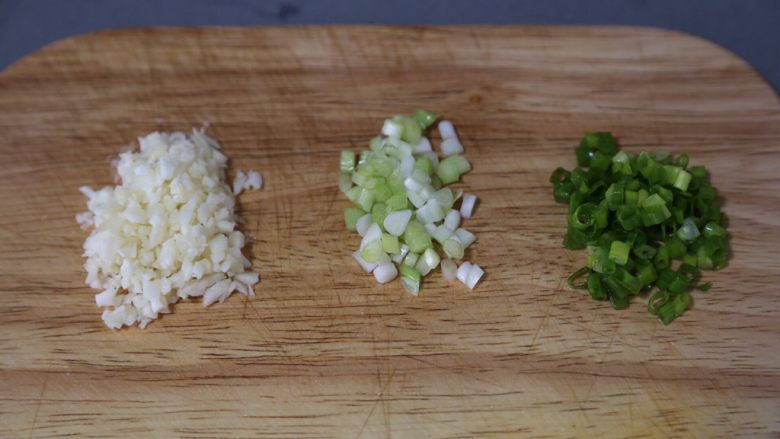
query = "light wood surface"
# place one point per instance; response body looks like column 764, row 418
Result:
column 325, row 352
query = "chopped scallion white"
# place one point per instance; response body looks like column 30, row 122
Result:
column 404, row 211
column 449, row 269
column 395, row 222
column 467, row 205
column 385, row 272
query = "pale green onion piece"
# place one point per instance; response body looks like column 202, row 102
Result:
column 359, row 178
column 365, row 200
column 416, row 237
column 452, row 220
column 427, row 262
column 448, row 170
column 353, row 193
column 347, row 162
column 351, row 217
column 431, row 212
column 410, row 278
column 373, row 252
column 416, row 200
column 397, row 202
column 427, row 192
column 345, row 182
column 390, row 244
column 441, row 233
column 404, row 148
column 445, row 198
column 465, row 237
column 373, row 233
column 433, row 158
column 377, row 143
column 412, row 131
column 395, row 222
column 411, row 259
column 453, row 248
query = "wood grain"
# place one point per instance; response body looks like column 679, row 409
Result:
column 323, row 351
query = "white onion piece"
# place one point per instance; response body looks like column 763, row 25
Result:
column 363, row 223
column 373, row 233
column 407, row 165
column 427, row 261
column 451, row 146
column 423, row 146
column 467, row 205
column 441, row 233
column 463, row 271
column 413, row 185
column 392, row 129
column 395, row 222
column 368, row 267
column 452, row 220
column 416, row 200
column 385, row 272
column 465, row 237
column 449, row 269
column 399, row 257
column 446, row 130
column 430, row 212
column 475, row 274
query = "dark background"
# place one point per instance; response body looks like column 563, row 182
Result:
column 750, row 28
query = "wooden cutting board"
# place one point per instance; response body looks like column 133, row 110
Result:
column 325, row 352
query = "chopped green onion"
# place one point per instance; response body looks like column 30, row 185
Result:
column 618, row 252
column 636, row 214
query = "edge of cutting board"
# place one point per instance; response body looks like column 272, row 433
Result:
column 97, row 34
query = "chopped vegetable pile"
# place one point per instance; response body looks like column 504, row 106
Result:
column 403, row 210
column 646, row 220
column 167, row 231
